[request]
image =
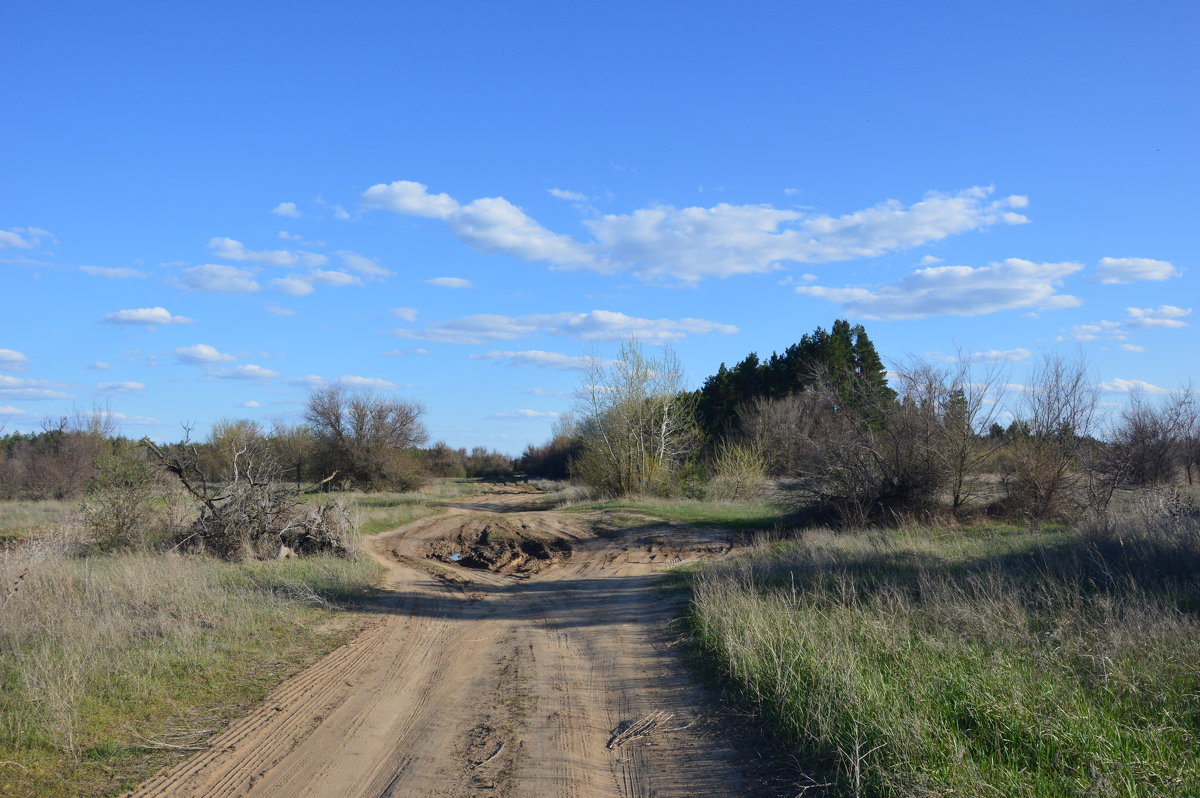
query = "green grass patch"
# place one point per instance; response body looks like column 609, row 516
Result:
column 995, row 661
column 100, row 655
column 21, row 520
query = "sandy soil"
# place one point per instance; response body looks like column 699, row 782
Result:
column 505, row 682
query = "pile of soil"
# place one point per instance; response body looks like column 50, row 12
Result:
column 502, row 546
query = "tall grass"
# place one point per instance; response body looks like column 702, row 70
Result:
column 25, row 519
column 992, row 664
column 104, row 658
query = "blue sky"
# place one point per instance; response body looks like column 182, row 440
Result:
column 207, row 209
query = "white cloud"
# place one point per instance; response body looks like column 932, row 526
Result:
column 541, row 359
column 279, row 311
column 1119, row 385
column 12, row 360
column 367, row 383
column 230, row 249
column 957, row 290
column 564, row 194
column 9, row 410
column 199, row 354
column 121, row 387
column 416, row 350
column 146, row 316
column 1161, row 316
column 929, row 260
column 1000, row 355
column 136, row 421
column 22, row 237
column 405, row 314
column 286, row 236
column 449, row 282
column 246, row 372
column 1117, row 271
column 250, row 404
column 1133, row 348
column 362, row 264
column 100, row 365
column 1095, row 331
column 30, row 390
column 310, row 381
column 334, row 278
column 286, row 209
column 691, row 244
column 340, row 213
column 291, row 286
column 122, row 273
column 218, row 279
column 596, row 325
column 526, row 413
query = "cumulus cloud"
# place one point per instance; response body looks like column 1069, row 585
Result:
column 405, row 314
column 12, row 360
column 291, row 286
column 1119, row 385
column 691, row 244
column 596, row 325
column 22, row 237
column 100, row 365
column 1161, row 316
column 121, row 273
column 9, row 410
column 362, row 264
column 957, row 290
column 416, row 350
column 145, row 316
column 542, row 359
column 526, row 413
column 286, row 209
column 564, row 194
column 1117, row 271
column 286, row 236
column 1095, row 331
column 250, row 404
column 248, row 371
column 200, row 354
column 276, row 310
column 231, row 249
column 121, row 387
column 1133, row 348
column 30, row 390
column 449, row 282
column 218, row 279
column 367, row 383
column 334, row 278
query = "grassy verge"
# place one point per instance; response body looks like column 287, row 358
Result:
column 992, row 662
column 741, row 516
column 21, row 520
column 102, row 659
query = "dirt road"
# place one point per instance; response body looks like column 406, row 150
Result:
column 513, row 649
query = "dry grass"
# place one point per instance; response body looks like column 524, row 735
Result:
column 995, row 663
column 110, row 665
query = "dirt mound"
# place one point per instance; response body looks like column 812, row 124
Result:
column 502, row 545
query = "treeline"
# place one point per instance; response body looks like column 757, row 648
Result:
column 347, row 441
column 821, row 421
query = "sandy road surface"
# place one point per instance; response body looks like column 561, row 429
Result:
column 475, row 683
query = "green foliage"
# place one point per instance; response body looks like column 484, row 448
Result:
column 844, row 356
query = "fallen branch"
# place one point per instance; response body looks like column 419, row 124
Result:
column 628, row 731
column 495, row 754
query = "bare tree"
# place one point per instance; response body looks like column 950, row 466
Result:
column 366, row 439
column 636, row 423
column 1047, row 444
